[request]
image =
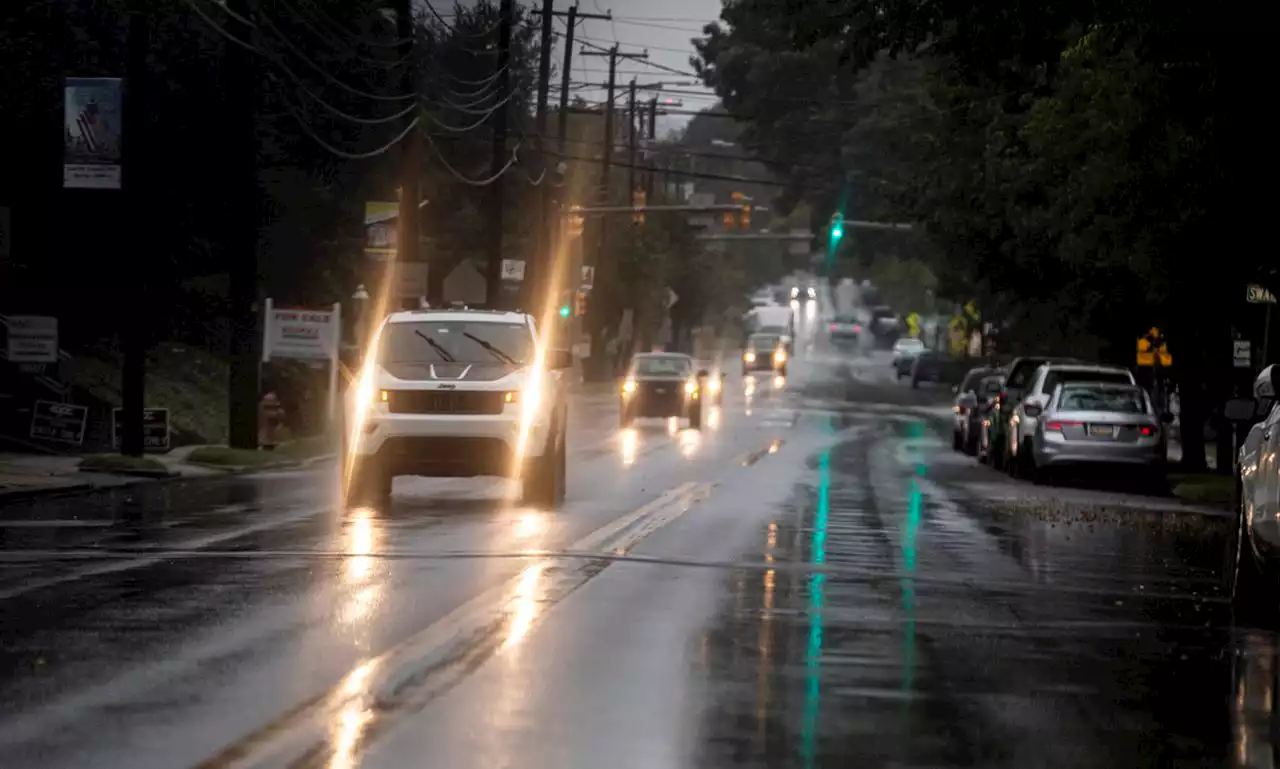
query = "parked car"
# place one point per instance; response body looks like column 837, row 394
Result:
column 1096, row 425
column 993, row 441
column 1255, row 546
column 968, row 403
column 1022, row 420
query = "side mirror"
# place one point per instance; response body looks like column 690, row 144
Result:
column 559, row 359
column 1167, row 418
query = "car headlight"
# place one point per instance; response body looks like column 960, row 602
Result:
column 713, row 385
column 629, row 386
column 779, row 356
column 749, row 357
column 690, row 387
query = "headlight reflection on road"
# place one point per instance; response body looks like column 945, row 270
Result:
column 530, row 524
column 525, row 609
column 713, row 418
column 362, row 543
column 673, row 425
column 689, row 442
column 629, row 445
column 779, row 382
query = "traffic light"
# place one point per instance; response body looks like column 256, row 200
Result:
column 746, row 217
column 564, row 311
column 638, row 201
column 728, row 220
column 580, row 304
column 837, row 227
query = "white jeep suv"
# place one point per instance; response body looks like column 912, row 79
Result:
column 457, row 394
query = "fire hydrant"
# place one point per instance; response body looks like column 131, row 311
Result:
column 270, row 420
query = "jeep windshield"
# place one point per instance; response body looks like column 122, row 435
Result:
column 456, row 342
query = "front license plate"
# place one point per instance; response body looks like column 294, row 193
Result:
column 1102, row 431
column 660, row 390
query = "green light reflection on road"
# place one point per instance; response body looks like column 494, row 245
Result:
column 817, row 583
column 911, row 531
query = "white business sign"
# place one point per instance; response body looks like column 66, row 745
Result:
column 1259, row 295
column 301, row 334
column 305, row 335
column 512, row 269
column 32, row 339
column 588, row 277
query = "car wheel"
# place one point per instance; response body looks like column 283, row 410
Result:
column 544, row 479
column 956, row 441
column 369, row 484
column 695, row 416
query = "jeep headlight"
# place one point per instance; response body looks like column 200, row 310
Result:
column 779, row 356
column 749, row 357
column 629, row 387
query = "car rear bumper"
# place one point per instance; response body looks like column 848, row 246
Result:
column 1098, row 454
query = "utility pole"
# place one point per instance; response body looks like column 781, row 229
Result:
column 633, row 119
column 653, row 138
column 563, row 128
column 407, row 240
column 497, row 200
column 538, row 271
column 242, row 245
column 606, row 161
column 136, row 181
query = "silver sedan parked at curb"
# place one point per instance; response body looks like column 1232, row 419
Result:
column 1094, row 425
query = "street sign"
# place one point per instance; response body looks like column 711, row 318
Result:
column 1151, row 344
column 913, row 324
column 971, row 309
column 588, row 277
column 32, row 339
column 513, row 269
column 1242, row 353
column 1256, row 294
column 62, row 422
column 155, row 429
column 380, row 222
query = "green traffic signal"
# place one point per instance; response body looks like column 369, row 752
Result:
column 564, row 310
column 837, row 226
column 837, row 231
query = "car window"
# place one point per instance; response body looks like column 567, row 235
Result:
column 846, row 319
column 662, row 365
column 1120, row 401
column 971, row 380
column 1021, row 374
column 992, row 385
column 1055, row 378
column 451, row 341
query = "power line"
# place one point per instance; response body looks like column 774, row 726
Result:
column 344, row 154
column 463, row 177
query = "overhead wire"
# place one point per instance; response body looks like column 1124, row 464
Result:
column 335, row 24
column 338, row 43
column 345, row 154
column 463, row 177
column 474, row 35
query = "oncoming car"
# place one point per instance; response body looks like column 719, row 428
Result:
column 661, row 385
column 765, row 352
column 457, row 394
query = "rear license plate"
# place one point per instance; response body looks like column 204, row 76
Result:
column 1102, row 431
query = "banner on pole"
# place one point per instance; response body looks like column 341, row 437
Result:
column 91, row 128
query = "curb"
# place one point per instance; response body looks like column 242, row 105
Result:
column 19, row 495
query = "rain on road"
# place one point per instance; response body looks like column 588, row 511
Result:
column 815, row 579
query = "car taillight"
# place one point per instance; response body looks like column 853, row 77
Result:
column 832, row 327
column 1146, row 431
column 857, row 329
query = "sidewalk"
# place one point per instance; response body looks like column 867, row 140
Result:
column 23, row 476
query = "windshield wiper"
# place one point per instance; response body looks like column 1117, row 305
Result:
column 499, row 354
column 443, row 353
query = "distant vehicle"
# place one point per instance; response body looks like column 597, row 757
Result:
column 935, row 366
column 806, row 292
column 905, row 351
column 661, row 385
column 764, row 352
column 1095, row 424
column 974, row 398
column 773, row 320
column 844, row 330
column 456, row 394
column 1024, row 415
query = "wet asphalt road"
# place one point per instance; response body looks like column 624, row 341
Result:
column 814, row 580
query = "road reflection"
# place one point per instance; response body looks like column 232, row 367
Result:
column 628, row 445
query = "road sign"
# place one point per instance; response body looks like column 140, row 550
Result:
column 1242, row 353
column 672, row 298
column 32, row 339
column 588, row 277
column 971, row 310
column 155, row 429
column 1256, row 294
column 62, row 422
column 513, row 269
column 913, row 324
column 1151, row 344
